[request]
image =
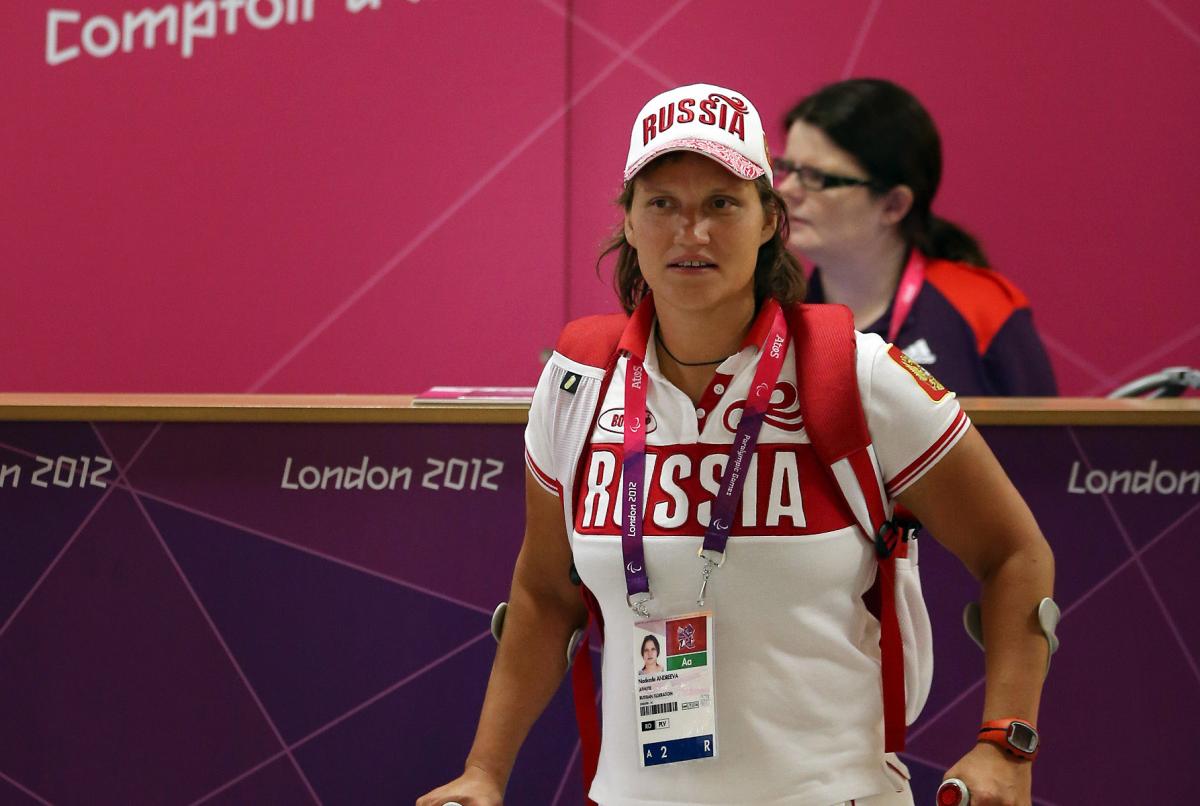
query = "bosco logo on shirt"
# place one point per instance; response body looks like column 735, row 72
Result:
column 927, row 382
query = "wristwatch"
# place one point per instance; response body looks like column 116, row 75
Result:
column 1014, row 736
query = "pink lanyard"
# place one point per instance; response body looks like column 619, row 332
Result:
column 770, row 363
column 911, row 281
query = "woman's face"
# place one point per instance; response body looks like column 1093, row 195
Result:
column 697, row 229
column 649, row 653
column 837, row 223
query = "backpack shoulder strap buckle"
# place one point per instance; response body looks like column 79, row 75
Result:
column 887, row 537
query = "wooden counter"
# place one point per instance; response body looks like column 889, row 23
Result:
column 400, row 409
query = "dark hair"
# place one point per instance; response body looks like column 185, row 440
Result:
column 777, row 272
column 653, row 640
column 894, row 139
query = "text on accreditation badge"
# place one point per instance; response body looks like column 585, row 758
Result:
column 673, row 685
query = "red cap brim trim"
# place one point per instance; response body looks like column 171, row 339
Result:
column 729, row 158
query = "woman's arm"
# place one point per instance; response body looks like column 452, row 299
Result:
column 544, row 608
column 969, row 504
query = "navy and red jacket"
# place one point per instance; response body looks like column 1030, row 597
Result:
column 972, row 329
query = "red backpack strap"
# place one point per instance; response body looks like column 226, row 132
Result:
column 583, row 688
column 598, row 338
column 827, row 377
column 592, row 340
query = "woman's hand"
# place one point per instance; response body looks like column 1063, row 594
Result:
column 973, row 509
column 544, row 608
column 994, row 778
column 475, row 787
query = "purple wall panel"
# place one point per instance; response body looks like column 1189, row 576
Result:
column 114, row 683
column 1129, row 636
column 198, row 634
column 24, row 558
column 276, row 782
column 429, row 542
column 15, row 795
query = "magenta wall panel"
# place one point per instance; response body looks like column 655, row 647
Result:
column 381, row 199
column 1058, row 122
column 295, row 209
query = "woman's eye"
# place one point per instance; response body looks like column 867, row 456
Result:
column 659, row 203
column 723, row 203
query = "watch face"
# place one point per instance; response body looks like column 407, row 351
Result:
column 1023, row 737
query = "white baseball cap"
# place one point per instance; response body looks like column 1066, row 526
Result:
column 710, row 120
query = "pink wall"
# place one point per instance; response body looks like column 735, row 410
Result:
column 384, row 199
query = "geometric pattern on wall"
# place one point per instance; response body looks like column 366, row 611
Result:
column 160, row 652
column 169, row 657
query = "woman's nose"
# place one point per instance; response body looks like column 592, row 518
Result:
column 790, row 187
column 693, row 229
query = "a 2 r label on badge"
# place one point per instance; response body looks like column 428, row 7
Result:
column 673, row 689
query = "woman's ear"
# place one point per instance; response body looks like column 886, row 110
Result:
column 896, row 204
column 629, row 232
column 770, row 224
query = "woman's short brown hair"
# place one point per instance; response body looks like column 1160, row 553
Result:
column 777, row 273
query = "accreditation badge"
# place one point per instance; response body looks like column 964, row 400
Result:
column 673, row 681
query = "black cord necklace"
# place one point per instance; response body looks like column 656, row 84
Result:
column 658, row 338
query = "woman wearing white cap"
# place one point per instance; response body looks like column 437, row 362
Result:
column 679, row 427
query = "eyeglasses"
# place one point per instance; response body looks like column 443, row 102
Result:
column 811, row 178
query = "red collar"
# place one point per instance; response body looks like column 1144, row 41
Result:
column 636, row 335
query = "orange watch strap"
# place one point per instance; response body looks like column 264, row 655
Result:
column 998, row 732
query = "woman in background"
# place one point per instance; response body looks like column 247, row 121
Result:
column 860, row 172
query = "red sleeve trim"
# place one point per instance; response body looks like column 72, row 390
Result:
column 914, row 471
column 982, row 297
column 547, row 481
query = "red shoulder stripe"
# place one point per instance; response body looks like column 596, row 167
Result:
column 983, row 297
column 543, row 478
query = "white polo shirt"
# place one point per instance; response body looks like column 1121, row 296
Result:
column 798, row 686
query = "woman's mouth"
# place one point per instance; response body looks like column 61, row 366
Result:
column 691, row 264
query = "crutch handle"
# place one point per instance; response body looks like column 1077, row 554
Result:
column 953, row 792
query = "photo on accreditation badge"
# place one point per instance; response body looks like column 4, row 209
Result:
column 649, row 659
